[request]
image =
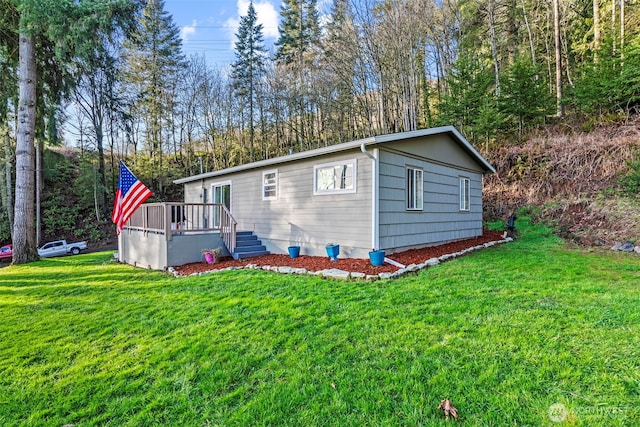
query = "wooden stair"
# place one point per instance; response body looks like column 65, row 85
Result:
column 248, row 246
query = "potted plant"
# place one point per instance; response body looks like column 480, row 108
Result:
column 376, row 257
column 211, row 255
column 333, row 249
column 294, row 251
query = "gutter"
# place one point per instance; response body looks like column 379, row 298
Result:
column 375, row 195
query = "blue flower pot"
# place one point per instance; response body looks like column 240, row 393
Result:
column 294, row 251
column 376, row 258
column 333, row 251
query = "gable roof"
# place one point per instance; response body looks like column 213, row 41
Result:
column 374, row 140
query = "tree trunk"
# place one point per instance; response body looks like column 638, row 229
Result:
column 558, row 49
column 24, row 236
column 622, row 29
column 596, row 29
column 8, row 202
column 39, row 187
column 613, row 26
column 102, row 184
column 512, row 31
column 494, row 45
column 529, row 32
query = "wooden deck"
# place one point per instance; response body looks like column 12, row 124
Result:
column 172, row 218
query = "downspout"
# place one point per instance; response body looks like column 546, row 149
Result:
column 375, row 199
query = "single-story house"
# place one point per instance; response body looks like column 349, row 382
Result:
column 393, row 192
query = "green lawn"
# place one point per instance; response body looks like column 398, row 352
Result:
column 504, row 333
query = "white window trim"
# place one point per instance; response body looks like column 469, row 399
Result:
column 219, row 184
column 351, row 162
column 274, row 171
column 419, row 206
column 465, row 194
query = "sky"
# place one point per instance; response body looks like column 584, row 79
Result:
column 208, row 27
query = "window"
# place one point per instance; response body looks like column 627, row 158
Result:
column 338, row 177
column 414, row 189
column 270, row 185
column 465, row 198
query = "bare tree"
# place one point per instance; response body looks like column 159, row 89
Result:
column 558, row 52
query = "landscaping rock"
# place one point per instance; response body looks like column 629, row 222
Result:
column 400, row 272
column 335, row 273
column 412, row 268
column 361, row 268
column 637, row 249
column 626, row 247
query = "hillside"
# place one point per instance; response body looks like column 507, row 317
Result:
column 572, row 177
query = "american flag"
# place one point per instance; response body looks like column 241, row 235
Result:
column 131, row 193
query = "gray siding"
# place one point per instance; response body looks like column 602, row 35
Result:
column 441, row 219
column 146, row 250
column 297, row 216
column 439, row 148
column 155, row 252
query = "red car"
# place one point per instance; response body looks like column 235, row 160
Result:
column 6, row 252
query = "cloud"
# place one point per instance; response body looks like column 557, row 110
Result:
column 188, row 30
column 268, row 16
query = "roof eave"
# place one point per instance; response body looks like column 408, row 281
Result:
column 376, row 140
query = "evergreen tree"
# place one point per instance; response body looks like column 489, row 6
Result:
column 249, row 66
column 470, row 96
column 296, row 53
column 155, row 60
column 8, row 91
column 299, row 30
column 525, row 97
column 46, row 40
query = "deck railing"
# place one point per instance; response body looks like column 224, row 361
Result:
column 184, row 218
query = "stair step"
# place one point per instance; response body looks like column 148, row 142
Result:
column 253, row 248
column 242, row 255
column 246, row 237
column 248, row 246
column 243, row 243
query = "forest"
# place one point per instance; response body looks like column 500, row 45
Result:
column 86, row 83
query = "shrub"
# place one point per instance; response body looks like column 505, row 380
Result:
column 630, row 182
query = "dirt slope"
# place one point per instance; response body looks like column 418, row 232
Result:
column 572, row 176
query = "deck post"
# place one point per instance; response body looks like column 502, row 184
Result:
column 167, row 224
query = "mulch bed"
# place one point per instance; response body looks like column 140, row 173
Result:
column 314, row 263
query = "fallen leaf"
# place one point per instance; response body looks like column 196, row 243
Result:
column 448, row 408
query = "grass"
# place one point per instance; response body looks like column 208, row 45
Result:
column 505, row 333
